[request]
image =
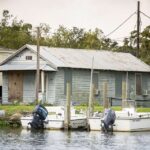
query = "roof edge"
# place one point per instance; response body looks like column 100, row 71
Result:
column 20, row 50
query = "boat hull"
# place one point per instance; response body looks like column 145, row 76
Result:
column 126, row 124
column 56, row 123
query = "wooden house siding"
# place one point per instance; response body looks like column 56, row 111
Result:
column 29, row 87
column 60, row 97
column 106, row 76
column 50, row 87
column 21, row 58
column 80, row 85
column 55, row 93
column 5, row 88
column 4, row 53
column 131, row 86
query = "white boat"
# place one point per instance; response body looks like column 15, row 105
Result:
column 55, row 119
column 127, row 120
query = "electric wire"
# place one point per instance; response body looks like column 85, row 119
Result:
column 145, row 15
column 120, row 25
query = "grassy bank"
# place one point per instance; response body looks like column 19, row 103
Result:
column 116, row 108
column 12, row 109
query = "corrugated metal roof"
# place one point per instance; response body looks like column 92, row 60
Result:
column 7, row 67
column 103, row 60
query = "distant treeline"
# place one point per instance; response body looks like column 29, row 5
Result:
column 15, row 33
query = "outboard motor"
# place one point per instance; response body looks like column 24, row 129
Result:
column 39, row 115
column 108, row 120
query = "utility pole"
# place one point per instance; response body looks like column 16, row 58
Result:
column 138, row 28
column 38, row 62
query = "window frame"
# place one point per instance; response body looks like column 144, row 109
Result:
column 29, row 57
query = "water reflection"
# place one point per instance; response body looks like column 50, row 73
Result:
column 59, row 140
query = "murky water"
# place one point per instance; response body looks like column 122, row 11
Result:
column 17, row 139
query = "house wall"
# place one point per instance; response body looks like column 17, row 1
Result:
column 28, row 76
column 80, row 86
column 20, row 59
column 55, row 91
column 29, row 86
column 50, row 87
column 3, row 55
column 60, row 97
column 5, row 88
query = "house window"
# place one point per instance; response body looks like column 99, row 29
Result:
column 67, row 78
column 138, row 77
column 28, row 57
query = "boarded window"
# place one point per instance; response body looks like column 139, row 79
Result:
column 28, row 57
column 67, row 78
column 138, row 84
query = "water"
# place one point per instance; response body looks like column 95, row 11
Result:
column 18, row 139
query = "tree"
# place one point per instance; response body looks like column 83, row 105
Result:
column 14, row 34
column 145, row 45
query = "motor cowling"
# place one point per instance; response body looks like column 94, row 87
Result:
column 108, row 120
column 39, row 115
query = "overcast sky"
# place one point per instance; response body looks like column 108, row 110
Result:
column 88, row 14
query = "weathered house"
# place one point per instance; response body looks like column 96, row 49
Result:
column 60, row 65
column 4, row 53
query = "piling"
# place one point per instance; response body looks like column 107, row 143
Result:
column 91, row 107
column 124, row 95
column 105, row 95
column 67, row 108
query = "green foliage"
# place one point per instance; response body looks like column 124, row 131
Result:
column 130, row 44
column 15, row 33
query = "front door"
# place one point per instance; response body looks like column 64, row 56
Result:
column 15, row 88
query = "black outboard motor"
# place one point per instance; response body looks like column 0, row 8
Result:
column 39, row 115
column 108, row 120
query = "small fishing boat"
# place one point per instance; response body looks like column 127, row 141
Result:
column 55, row 119
column 127, row 120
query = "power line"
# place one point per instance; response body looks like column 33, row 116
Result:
column 145, row 15
column 121, row 24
